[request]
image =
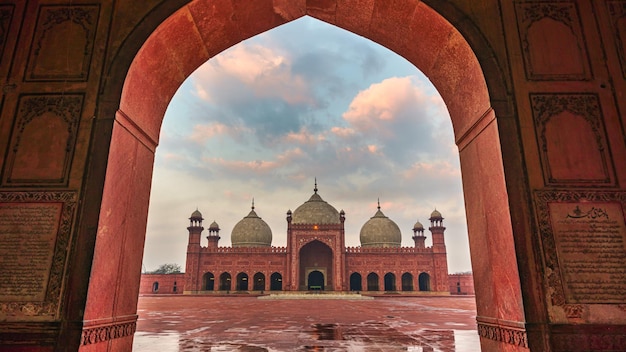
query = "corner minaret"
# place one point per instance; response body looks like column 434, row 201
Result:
column 214, row 235
column 418, row 235
column 192, row 265
column 195, row 229
column 437, row 229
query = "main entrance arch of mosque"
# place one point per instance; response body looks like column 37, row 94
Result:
column 534, row 89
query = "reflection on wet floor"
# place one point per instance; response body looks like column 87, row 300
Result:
column 406, row 324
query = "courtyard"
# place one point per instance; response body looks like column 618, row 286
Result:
column 306, row 323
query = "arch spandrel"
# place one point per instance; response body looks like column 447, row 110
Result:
column 201, row 31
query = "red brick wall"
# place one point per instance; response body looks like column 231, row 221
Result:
column 461, row 284
column 166, row 283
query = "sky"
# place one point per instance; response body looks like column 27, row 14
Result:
column 265, row 118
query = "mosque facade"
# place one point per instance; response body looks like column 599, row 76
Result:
column 316, row 257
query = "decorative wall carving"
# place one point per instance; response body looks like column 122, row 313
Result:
column 505, row 334
column 48, row 306
column 571, row 139
column 583, row 238
column 63, row 43
column 548, row 31
column 41, row 118
column 617, row 13
column 6, row 14
column 105, row 333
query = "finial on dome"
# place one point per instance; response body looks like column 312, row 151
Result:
column 252, row 203
column 315, row 189
column 378, row 203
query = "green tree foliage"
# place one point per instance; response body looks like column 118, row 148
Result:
column 169, row 268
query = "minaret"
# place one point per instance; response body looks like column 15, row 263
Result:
column 193, row 252
column 214, row 235
column 195, row 229
column 418, row 235
column 437, row 229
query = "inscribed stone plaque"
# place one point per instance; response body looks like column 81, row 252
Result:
column 35, row 238
column 28, row 233
column 590, row 241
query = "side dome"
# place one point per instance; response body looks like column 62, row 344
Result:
column 316, row 211
column 380, row 231
column 251, row 231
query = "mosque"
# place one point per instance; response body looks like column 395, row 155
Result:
column 316, row 257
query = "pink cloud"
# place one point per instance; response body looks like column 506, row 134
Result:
column 303, row 137
column 203, row 132
column 265, row 70
column 343, row 132
column 432, row 170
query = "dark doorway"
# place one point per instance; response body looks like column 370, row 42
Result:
column 315, row 256
column 356, row 282
column 242, row 282
column 155, row 287
column 259, row 282
column 407, row 282
column 225, row 282
column 315, row 281
column 424, row 282
column 390, row 282
column 208, row 282
column 372, row 282
column 276, row 282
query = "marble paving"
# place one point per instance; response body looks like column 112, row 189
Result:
column 249, row 324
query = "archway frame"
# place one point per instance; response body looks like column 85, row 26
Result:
column 453, row 53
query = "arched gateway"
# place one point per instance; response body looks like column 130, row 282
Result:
column 538, row 124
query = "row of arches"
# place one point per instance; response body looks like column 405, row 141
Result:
column 389, row 282
column 242, row 282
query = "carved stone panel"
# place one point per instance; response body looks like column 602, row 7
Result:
column 63, row 43
column 35, row 236
column 571, row 139
column 43, row 140
column 617, row 13
column 583, row 237
column 6, row 14
column 550, row 31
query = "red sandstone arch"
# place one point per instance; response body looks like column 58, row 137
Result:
column 450, row 51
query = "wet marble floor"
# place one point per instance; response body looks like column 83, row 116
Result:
column 248, row 324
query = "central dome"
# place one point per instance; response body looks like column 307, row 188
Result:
column 380, row 231
column 316, row 211
column 251, row 231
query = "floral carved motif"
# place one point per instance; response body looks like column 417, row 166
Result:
column 587, row 106
column 565, row 13
column 108, row 332
column 51, row 19
column 66, row 107
column 503, row 334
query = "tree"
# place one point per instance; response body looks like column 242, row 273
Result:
column 169, row 268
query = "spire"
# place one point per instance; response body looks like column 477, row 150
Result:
column 252, row 203
column 378, row 203
column 315, row 189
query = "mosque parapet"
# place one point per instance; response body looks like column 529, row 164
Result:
column 246, row 249
column 388, row 250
